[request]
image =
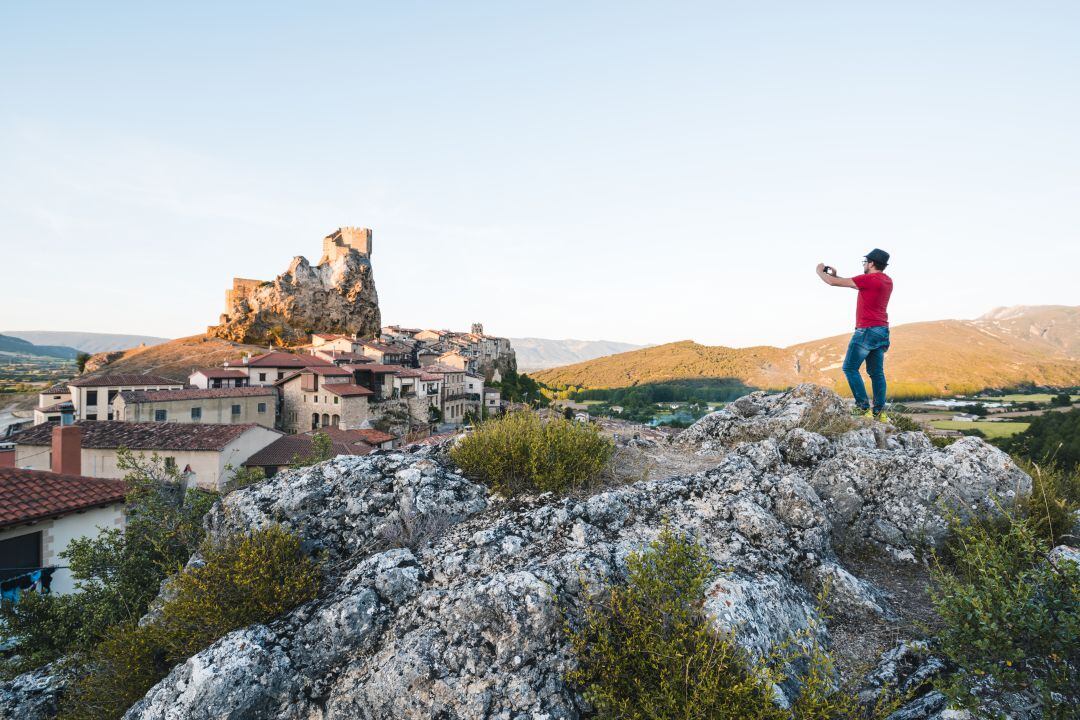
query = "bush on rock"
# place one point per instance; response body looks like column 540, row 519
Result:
column 521, row 453
column 243, row 580
column 1010, row 618
column 649, row 651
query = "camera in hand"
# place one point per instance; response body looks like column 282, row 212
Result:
column 829, row 270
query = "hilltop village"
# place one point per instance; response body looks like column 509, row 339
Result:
column 362, row 386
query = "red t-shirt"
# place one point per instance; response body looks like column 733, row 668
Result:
column 872, row 308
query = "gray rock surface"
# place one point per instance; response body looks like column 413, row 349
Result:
column 336, row 296
column 32, row 695
column 470, row 622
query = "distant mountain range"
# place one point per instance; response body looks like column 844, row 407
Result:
column 84, row 341
column 540, row 353
column 18, row 346
column 1005, row 347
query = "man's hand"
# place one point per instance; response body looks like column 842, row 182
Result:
column 833, row 280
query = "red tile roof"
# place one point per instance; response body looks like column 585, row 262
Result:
column 145, row 396
column 286, row 360
column 217, row 373
column 346, row 389
column 31, row 495
column 57, row 389
column 375, row 437
column 330, row 371
column 284, row 449
column 111, row 434
column 123, row 380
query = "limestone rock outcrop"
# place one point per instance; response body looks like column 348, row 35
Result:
column 465, row 618
column 336, row 296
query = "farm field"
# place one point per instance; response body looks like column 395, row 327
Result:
column 1033, row 397
column 991, row 429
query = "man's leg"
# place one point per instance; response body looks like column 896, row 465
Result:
column 875, row 368
column 856, row 353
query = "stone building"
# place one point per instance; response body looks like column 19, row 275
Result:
column 92, row 396
column 318, row 397
column 195, row 405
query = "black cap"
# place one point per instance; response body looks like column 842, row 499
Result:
column 880, row 257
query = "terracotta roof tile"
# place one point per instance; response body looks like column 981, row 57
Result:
column 31, row 495
column 123, row 380
column 216, row 373
column 284, row 449
column 286, row 360
column 346, row 389
column 145, row 396
column 110, row 434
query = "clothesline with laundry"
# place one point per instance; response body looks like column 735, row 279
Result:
column 35, row 579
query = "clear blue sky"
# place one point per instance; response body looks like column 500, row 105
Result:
column 630, row 171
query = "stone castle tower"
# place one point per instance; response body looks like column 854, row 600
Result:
column 338, row 243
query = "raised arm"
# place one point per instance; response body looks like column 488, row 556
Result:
column 832, row 279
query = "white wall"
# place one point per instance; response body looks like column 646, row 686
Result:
column 58, row 532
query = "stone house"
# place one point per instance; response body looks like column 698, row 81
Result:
column 268, row 368
column 193, row 405
column 40, row 513
column 492, row 401
column 474, row 393
column 201, row 452
column 92, row 396
column 207, row 378
column 387, row 354
column 338, row 357
column 335, row 342
column 452, row 400
column 319, row 397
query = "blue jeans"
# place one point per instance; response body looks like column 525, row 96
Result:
column 867, row 345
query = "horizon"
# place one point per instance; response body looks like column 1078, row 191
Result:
column 632, row 171
column 609, row 340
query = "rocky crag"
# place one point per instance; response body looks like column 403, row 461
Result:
column 336, row 296
column 443, row 600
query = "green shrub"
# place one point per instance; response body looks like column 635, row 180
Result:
column 116, row 572
column 1055, row 496
column 903, row 423
column 1010, row 619
column 245, row 579
column 648, row 649
column 520, row 453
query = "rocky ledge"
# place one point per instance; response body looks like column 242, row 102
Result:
column 465, row 617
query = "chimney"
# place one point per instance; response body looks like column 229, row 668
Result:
column 67, row 449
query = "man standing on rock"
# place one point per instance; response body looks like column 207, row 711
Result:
column 871, row 339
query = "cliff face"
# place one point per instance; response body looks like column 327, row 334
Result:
column 336, row 296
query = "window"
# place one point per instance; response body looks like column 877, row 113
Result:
column 91, row 397
column 20, row 552
column 235, row 409
column 159, row 415
column 215, row 383
column 262, row 407
column 92, row 416
column 280, row 375
column 335, row 399
column 314, row 421
column 112, row 395
column 262, row 377
column 196, row 414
